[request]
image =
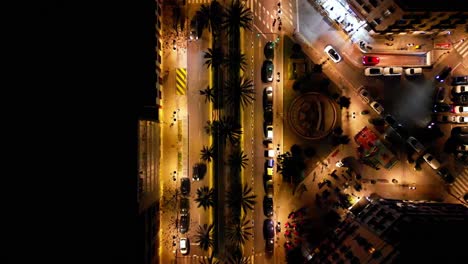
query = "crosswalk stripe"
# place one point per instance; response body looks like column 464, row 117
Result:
column 461, row 48
column 181, row 81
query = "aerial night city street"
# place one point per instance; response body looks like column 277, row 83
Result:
column 305, row 131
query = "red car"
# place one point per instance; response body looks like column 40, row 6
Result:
column 370, row 60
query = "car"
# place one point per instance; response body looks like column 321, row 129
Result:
column 269, row 234
column 459, row 130
column 184, row 223
column 463, row 157
column 460, row 89
column 443, row 74
column 269, row 188
column 413, row 71
column 443, row 118
column 415, row 144
column 445, row 175
column 269, row 153
column 462, row 147
column 461, row 99
column 460, row 119
column 194, row 33
column 463, row 138
column 365, row 95
column 391, row 121
column 198, row 171
column 185, row 186
column 184, row 245
column 267, row 71
column 460, row 80
column 331, row 52
column 373, row 71
column 268, row 115
column 267, row 96
column 377, row 107
column 268, row 131
column 269, row 50
column 184, row 206
column 269, row 164
column 441, row 108
column 370, row 60
column 401, row 131
column 435, row 164
column 392, row 71
column 440, row 94
column 459, row 109
column 268, row 206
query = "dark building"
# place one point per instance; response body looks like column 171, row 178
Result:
column 397, row 231
column 411, row 16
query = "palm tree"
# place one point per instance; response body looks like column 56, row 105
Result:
column 209, row 260
column 211, row 17
column 205, row 197
column 236, row 61
column 209, row 94
column 229, row 129
column 237, row 257
column 240, row 92
column 207, row 153
column 240, row 197
column 237, row 16
column 204, row 236
column 238, row 160
column 213, row 57
column 238, row 231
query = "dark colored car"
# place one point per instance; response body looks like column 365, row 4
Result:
column 461, row 99
column 267, row 96
column 391, row 121
column 460, row 80
column 441, row 108
column 440, row 94
column 267, row 71
column 199, row 171
column 269, row 50
column 268, row 206
column 184, row 206
column 445, row 175
column 184, row 223
column 269, row 245
column 370, row 60
column 268, row 229
column 268, row 116
column 185, row 186
column 444, row 73
column 459, row 130
column 463, row 138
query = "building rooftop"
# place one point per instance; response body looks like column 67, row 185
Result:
column 434, row 6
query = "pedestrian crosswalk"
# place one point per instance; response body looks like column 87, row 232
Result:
column 460, row 186
column 462, row 48
column 199, row 1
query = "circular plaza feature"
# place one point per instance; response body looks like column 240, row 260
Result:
column 312, row 115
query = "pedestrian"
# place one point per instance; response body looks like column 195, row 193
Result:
column 274, row 22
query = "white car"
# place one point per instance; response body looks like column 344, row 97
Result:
column 460, row 89
column 365, row 95
column 460, row 119
column 462, row 147
column 184, row 245
column 373, row 71
column 392, row 71
column 331, row 52
column 377, row 107
column 413, row 71
column 269, row 132
column 460, row 109
column 435, row 164
column 415, row 144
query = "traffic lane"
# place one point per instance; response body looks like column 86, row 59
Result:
column 398, row 60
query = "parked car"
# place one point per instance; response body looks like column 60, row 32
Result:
column 184, row 245
column 373, row 71
column 460, row 80
column 269, row 188
column 415, row 144
column 463, row 138
column 459, row 130
column 184, row 206
column 185, row 186
column 461, row 99
column 462, row 157
column 413, row 71
column 268, row 115
column 435, row 164
column 460, row 119
column 462, row 147
column 269, row 164
column 331, row 52
column 269, row 234
column 440, row 94
column 184, row 223
column 392, row 71
column 443, row 74
column 445, row 175
column 442, row 118
column 268, row 131
column 267, row 71
column 269, row 50
column 390, row 120
column 459, row 109
column 441, row 108
column 267, row 96
column 365, row 95
column 269, row 153
column 460, row 89
column 370, row 60
column 267, row 206
column 377, row 107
